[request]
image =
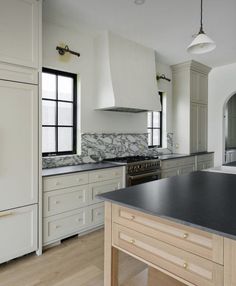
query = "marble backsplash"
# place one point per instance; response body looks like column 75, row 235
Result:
column 96, row 147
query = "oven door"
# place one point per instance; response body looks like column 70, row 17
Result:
column 143, row 178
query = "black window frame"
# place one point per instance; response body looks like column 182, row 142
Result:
column 56, row 126
column 158, row 128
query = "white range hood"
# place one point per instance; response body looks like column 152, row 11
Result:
column 125, row 75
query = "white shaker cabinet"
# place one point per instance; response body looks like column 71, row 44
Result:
column 19, row 32
column 198, row 129
column 190, row 99
column 18, row 230
column 18, row 144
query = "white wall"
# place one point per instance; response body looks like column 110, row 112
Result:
column 91, row 121
column 222, row 85
column 96, row 121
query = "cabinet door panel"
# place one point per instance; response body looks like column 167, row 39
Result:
column 202, row 128
column 169, row 173
column 187, row 169
column 19, row 32
column 194, row 128
column 18, row 144
column 18, row 230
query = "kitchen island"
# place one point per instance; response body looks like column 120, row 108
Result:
column 184, row 227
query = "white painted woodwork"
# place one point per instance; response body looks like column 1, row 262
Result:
column 205, row 161
column 19, row 144
column 66, row 224
column 19, row 32
column 178, row 166
column 97, row 214
column 190, row 267
column 18, row 73
column 18, row 229
column 70, row 205
column 106, row 174
column 190, row 99
column 64, row 181
column 125, row 74
column 103, row 187
column 63, row 200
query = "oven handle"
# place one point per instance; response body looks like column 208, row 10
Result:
column 145, row 175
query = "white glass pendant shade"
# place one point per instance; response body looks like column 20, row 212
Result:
column 201, row 44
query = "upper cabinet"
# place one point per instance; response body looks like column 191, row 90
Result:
column 19, row 32
column 190, row 106
column 198, row 87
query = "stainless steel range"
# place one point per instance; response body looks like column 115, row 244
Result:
column 140, row 169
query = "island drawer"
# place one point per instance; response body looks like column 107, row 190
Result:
column 64, row 181
column 204, row 244
column 103, row 175
column 189, row 267
column 63, row 200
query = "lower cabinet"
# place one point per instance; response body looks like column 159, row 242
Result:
column 18, row 228
column 181, row 166
column 205, row 161
column 175, row 167
column 70, row 205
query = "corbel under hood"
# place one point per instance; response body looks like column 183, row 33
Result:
column 125, row 75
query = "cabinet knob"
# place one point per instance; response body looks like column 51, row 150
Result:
column 132, row 217
column 57, row 202
column 57, row 226
column 80, row 197
column 185, row 265
column 132, row 241
column 185, row 235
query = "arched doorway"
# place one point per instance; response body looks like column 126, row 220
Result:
column 229, row 127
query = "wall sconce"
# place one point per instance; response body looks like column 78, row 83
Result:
column 66, row 49
column 158, row 77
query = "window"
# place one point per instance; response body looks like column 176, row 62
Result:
column 59, row 112
column 155, row 127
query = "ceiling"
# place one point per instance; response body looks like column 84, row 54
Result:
column 165, row 25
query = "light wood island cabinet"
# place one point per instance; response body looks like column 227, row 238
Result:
column 183, row 254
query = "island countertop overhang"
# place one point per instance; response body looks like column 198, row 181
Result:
column 202, row 200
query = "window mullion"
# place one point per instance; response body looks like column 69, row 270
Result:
column 56, row 113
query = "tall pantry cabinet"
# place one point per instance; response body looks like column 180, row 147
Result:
column 190, row 106
column 20, row 61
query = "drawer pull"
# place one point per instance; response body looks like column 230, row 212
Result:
column 79, row 219
column 132, row 217
column 132, row 241
column 185, row 265
column 57, row 226
column 185, row 235
column 57, row 202
column 79, row 179
column 4, row 214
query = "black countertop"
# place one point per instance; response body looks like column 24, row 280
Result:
column 77, row 168
column 231, row 164
column 203, row 200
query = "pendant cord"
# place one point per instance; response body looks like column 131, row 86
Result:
column 201, row 24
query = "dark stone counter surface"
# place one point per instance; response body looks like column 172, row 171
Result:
column 231, row 164
column 77, row 168
column 203, row 200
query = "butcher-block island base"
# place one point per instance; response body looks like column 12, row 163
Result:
column 175, row 252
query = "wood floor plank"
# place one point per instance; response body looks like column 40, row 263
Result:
column 75, row 262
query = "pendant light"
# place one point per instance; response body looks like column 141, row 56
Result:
column 202, row 43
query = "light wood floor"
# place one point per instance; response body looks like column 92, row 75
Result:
column 76, row 262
